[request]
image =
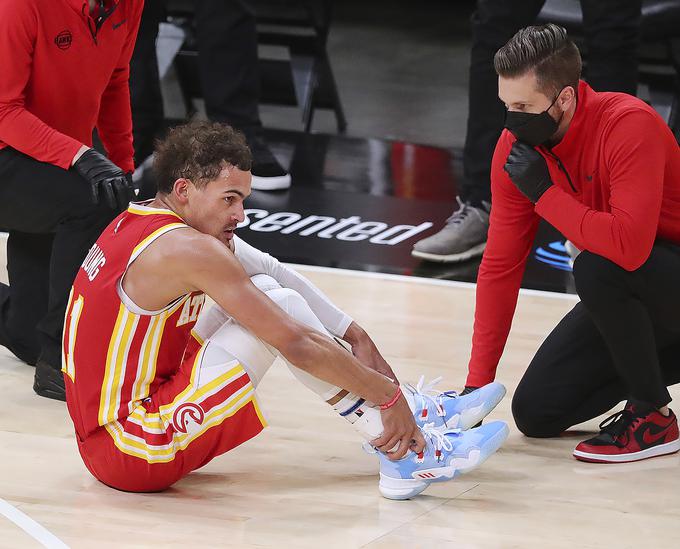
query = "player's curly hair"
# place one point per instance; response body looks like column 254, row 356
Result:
column 198, row 151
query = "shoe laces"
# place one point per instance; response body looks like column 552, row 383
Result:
column 437, row 437
column 462, row 213
column 617, row 424
column 428, row 393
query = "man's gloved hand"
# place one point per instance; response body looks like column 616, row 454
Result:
column 528, row 170
column 107, row 180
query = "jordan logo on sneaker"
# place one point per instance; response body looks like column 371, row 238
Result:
column 652, row 434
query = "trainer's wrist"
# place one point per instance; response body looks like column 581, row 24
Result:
column 540, row 189
column 80, row 152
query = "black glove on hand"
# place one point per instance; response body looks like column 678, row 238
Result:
column 528, row 170
column 107, row 180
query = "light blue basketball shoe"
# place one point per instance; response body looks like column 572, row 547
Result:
column 448, row 454
column 448, row 409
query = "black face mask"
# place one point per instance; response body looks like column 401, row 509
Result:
column 532, row 128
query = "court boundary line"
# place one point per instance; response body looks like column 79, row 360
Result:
column 422, row 280
column 34, row 529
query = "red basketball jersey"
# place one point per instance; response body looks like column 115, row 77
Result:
column 114, row 353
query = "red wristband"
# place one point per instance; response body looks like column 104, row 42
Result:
column 392, row 401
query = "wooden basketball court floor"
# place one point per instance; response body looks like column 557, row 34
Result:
column 305, row 481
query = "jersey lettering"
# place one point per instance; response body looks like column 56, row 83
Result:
column 94, row 261
column 192, row 308
column 70, row 333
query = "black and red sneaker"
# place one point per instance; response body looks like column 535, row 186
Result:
column 637, row 432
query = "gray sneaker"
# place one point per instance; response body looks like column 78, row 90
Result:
column 463, row 237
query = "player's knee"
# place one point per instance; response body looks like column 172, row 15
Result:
column 295, row 305
column 289, row 300
column 265, row 283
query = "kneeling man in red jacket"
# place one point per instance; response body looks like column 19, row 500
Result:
column 604, row 169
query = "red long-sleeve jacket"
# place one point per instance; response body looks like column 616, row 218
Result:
column 60, row 77
column 616, row 176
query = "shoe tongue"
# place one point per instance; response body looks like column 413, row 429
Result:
column 410, row 399
column 639, row 408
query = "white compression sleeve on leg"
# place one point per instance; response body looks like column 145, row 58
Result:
column 229, row 340
column 364, row 416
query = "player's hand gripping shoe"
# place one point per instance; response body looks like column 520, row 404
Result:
column 448, row 453
column 449, row 409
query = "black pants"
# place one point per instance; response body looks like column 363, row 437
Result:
column 145, row 89
column 227, row 61
column 52, row 223
column 611, row 29
column 622, row 341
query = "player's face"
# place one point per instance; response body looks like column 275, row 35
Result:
column 217, row 208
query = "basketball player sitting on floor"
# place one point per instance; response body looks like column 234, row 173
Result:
column 154, row 395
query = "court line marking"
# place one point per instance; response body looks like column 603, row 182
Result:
column 425, row 281
column 38, row 532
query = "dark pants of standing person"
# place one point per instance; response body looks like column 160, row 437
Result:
column 611, row 29
column 622, row 341
column 226, row 38
column 52, row 223
column 145, row 89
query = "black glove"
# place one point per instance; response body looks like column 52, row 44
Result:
column 107, row 180
column 528, row 170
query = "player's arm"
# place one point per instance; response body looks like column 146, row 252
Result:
column 216, row 271
column 366, row 351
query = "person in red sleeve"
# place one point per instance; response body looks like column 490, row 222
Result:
column 604, row 169
column 64, row 72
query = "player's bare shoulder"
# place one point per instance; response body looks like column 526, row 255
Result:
column 193, row 256
column 178, row 262
column 186, row 248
